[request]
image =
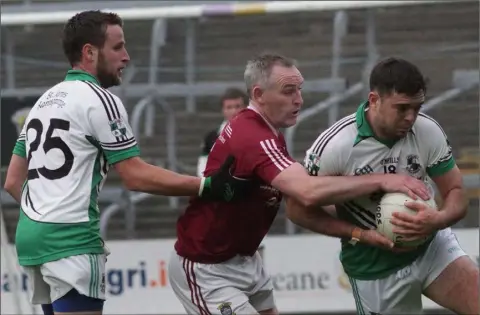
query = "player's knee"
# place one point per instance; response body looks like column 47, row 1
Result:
column 74, row 302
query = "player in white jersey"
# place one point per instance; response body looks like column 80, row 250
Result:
column 71, row 136
column 388, row 135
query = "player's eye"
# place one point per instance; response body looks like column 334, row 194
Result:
column 118, row 47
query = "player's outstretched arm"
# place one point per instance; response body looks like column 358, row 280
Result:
column 137, row 175
column 16, row 176
column 295, row 182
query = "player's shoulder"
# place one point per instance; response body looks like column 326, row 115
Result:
column 425, row 125
column 339, row 137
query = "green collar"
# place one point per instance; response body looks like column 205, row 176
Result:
column 79, row 75
column 365, row 130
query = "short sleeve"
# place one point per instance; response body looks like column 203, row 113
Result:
column 19, row 148
column 321, row 160
column 440, row 158
column 110, row 127
column 270, row 158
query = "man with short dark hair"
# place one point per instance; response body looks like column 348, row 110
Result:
column 389, row 135
column 232, row 101
column 73, row 134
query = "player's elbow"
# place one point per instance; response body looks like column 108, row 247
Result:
column 9, row 185
column 133, row 181
column 302, row 194
column 130, row 171
column 309, row 194
column 307, row 198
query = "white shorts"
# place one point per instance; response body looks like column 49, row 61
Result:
column 237, row 286
column 401, row 292
column 52, row 280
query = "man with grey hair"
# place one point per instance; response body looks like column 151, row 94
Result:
column 216, row 267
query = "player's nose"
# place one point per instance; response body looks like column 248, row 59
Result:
column 126, row 57
column 410, row 116
column 298, row 100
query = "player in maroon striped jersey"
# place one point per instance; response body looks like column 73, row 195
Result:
column 216, row 267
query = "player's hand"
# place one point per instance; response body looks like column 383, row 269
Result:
column 223, row 186
column 373, row 238
column 408, row 185
column 418, row 226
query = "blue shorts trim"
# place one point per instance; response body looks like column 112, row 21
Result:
column 73, row 301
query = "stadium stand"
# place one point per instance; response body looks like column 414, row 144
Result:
column 438, row 38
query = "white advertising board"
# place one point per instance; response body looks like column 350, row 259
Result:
column 305, row 269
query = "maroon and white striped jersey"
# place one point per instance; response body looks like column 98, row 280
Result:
column 213, row 232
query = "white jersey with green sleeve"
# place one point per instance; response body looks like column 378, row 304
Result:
column 70, row 137
column 349, row 147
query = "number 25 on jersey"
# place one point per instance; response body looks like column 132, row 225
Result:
column 50, row 142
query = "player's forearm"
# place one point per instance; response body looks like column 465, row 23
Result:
column 159, row 181
column 327, row 190
column 318, row 219
column 454, row 208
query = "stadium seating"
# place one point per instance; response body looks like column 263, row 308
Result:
column 225, row 43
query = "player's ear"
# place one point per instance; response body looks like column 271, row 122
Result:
column 90, row 52
column 257, row 94
column 373, row 98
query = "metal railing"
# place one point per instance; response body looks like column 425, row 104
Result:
column 462, row 81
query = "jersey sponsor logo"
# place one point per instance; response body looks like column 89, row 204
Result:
column 453, row 249
column 226, row 308
column 363, row 170
column 403, row 273
column 53, row 98
column 413, row 164
column 50, row 103
column 117, row 127
column 390, row 160
column 312, row 164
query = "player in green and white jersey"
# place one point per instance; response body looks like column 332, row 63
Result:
column 388, row 134
column 72, row 135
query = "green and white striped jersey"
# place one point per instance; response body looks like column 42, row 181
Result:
column 72, row 134
column 349, row 147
